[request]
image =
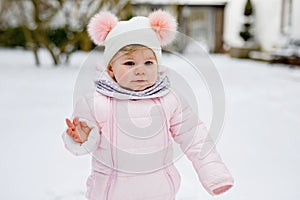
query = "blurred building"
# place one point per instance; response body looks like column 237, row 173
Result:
column 276, row 22
column 218, row 22
column 199, row 19
column 275, row 29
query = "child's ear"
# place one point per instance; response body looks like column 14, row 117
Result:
column 110, row 71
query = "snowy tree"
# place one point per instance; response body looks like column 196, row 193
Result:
column 38, row 17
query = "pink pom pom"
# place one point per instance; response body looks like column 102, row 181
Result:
column 164, row 24
column 100, row 25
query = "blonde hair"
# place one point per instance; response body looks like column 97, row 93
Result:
column 128, row 50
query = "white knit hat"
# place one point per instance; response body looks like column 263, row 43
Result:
column 154, row 31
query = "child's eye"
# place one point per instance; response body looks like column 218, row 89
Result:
column 130, row 63
column 148, row 63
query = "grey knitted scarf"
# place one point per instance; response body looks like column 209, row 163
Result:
column 107, row 86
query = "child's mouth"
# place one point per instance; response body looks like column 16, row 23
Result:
column 139, row 81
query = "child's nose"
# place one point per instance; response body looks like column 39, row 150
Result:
column 140, row 70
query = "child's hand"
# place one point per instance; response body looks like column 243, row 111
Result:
column 222, row 189
column 78, row 130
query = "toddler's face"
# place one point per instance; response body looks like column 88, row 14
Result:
column 135, row 71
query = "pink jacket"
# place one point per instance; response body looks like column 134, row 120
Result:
column 131, row 143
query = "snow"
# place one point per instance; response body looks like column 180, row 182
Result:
column 260, row 143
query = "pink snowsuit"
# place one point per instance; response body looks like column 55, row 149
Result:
column 127, row 167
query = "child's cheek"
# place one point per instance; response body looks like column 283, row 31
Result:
column 124, row 77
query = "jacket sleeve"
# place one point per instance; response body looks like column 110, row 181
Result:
column 192, row 135
column 85, row 113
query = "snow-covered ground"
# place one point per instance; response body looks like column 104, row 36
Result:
column 260, row 142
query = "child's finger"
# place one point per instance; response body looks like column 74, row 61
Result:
column 77, row 138
column 76, row 121
column 72, row 134
column 69, row 123
column 69, row 131
column 83, row 124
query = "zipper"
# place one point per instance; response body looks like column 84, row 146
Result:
column 112, row 176
column 166, row 142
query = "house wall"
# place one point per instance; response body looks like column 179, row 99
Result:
column 296, row 19
column 267, row 24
